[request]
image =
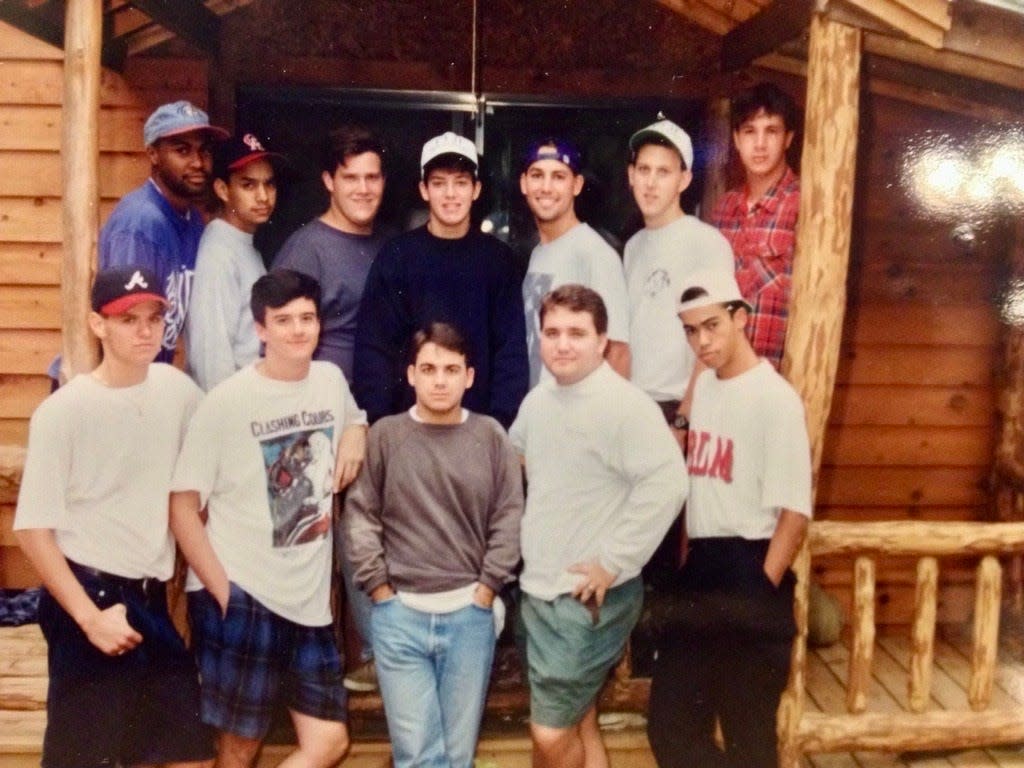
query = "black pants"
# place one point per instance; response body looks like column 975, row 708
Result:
column 725, row 656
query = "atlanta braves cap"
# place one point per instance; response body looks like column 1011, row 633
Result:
column 118, row 289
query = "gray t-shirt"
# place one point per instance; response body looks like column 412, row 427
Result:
column 340, row 261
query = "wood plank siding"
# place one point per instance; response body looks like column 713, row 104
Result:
column 31, row 83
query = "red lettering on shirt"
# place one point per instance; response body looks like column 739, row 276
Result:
column 709, row 456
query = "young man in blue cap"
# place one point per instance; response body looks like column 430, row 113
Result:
column 158, row 225
column 92, row 519
column 569, row 251
column 445, row 271
column 221, row 335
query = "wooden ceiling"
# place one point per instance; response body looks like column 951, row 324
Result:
column 969, row 39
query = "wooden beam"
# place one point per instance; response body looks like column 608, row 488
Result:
column 987, row 33
column 717, row 139
column 143, row 39
column 923, row 97
column 700, row 14
column 188, row 19
column 824, row 229
column 42, row 27
column 907, row 22
column 950, row 62
column 779, row 23
column 936, row 12
column 80, row 157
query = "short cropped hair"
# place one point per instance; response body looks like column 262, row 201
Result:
column 451, row 162
column 444, row 335
column 767, row 96
column 577, row 298
column 347, row 141
column 280, row 286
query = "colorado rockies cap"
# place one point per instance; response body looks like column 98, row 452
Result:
column 238, row 151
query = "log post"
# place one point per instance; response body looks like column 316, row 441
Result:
column 818, row 300
column 862, row 647
column 988, row 594
column 923, row 633
column 83, row 41
column 717, row 140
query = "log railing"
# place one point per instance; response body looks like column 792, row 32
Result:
column 918, row 728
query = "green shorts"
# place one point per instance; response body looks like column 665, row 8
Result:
column 568, row 655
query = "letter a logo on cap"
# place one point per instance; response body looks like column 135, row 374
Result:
column 137, row 281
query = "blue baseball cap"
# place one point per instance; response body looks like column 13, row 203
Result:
column 553, row 149
column 176, row 118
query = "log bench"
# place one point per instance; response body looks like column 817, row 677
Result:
column 802, row 731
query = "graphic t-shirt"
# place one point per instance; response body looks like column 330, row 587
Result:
column 579, row 256
column 261, row 454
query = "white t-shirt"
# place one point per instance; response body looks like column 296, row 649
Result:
column 221, row 332
column 579, row 256
column 657, row 263
column 98, row 470
column 748, row 454
column 261, row 453
column 606, row 480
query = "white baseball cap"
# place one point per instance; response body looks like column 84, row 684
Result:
column 718, row 286
column 448, row 143
column 666, row 130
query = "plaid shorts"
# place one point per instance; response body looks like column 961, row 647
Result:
column 252, row 658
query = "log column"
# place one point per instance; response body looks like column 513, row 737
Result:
column 823, row 236
column 818, row 300
column 83, row 40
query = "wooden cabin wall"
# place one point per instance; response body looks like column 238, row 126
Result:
column 31, row 83
column 911, row 434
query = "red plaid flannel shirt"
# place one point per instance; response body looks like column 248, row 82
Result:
column 763, row 240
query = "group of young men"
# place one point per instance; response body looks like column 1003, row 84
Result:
column 468, row 374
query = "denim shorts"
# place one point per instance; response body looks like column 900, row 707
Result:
column 251, row 658
column 569, row 654
column 139, row 707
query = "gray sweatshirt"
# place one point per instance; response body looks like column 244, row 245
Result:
column 436, row 507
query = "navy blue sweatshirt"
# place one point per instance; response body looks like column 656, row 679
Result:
column 470, row 282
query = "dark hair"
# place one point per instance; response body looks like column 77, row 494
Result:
column 767, row 96
column 346, row 141
column 280, row 286
column 444, row 335
column 577, row 298
column 451, row 162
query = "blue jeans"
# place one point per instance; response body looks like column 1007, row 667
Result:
column 359, row 603
column 433, row 670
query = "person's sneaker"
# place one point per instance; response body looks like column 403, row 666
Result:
column 362, row 679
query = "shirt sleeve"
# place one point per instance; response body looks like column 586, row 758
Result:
column 212, row 314
column 381, row 330
column 787, row 452
column 503, row 547
column 198, row 461
column 129, row 248
column 510, row 363
column 42, row 499
column 361, row 520
column 608, row 280
column 297, row 254
column 653, row 465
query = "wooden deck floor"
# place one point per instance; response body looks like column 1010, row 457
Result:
column 826, row 675
column 21, row 729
